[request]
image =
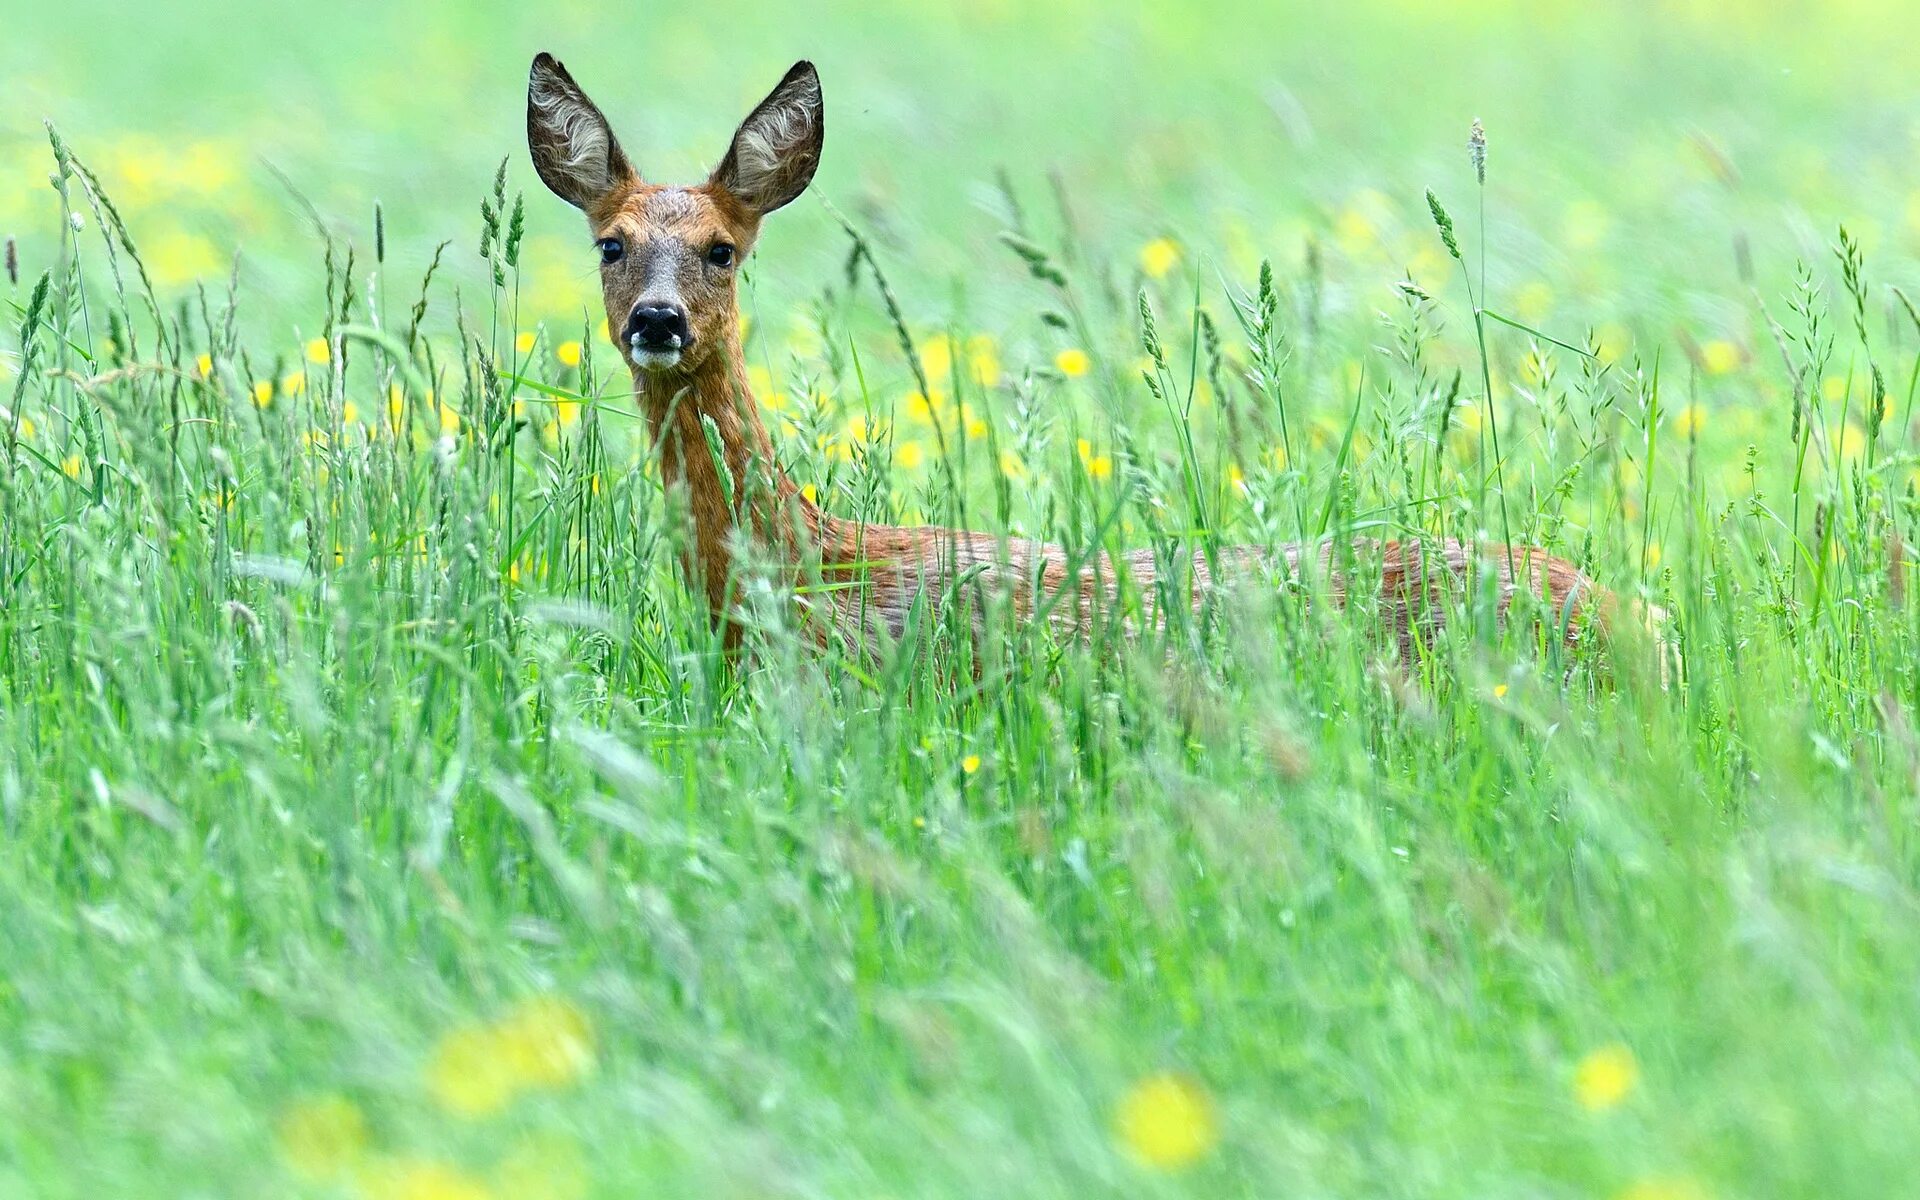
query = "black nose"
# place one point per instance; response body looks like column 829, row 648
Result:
column 658, row 327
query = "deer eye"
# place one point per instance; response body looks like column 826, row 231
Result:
column 720, row 254
column 612, row 250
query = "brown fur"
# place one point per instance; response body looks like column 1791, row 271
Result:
column 890, row 568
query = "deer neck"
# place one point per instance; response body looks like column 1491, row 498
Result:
column 717, row 464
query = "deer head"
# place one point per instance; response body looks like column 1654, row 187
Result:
column 669, row 256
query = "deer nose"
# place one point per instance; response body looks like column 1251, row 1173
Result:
column 658, row 327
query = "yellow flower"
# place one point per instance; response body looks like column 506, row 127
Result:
column 970, row 763
column 924, row 409
column 321, row 1137
column 262, row 393
column 759, row 380
column 1852, row 442
column 567, row 412
column 1167, row 1121
column 1533, row 302
column 936, row 357
column 1664, row 1187
column 1072, row 363
column 523, row 344
column 204, row 365
column 549, row 1040
column 469, row 1075
column 27, row 427
column 449, row 419
column 983, row 360
column 294, row 383
column 1159, row 256
column 420, row 1179
column 1236, row 478
column 544, row 1167
column 909, row 455
column 746, row 327
column 1499, row 691
column 1012, row 467
column 543, row 1042
column 776, row 401
column 810, row 493
column 1100, row 466
column 1719, row 357
column 177, row 257
column 349, row 413
column 1692, row 419
column 71, row 466
column 568, row 353
column 318, row 351
column 1605, row 1077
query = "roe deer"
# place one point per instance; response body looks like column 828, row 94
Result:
column 669, row 258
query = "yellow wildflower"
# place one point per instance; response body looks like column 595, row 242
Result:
column 923, row 408
column 523, row 344
column 1100, row 466
column 449, row 419
column 1605, row 1077
column 1533, row 302
column 811, row 493
column 1167, row 1121
column 71, row 466
column 468, row 1074
column 936, row 356
column 1499, row 691
column 983, row 360
column 1072, row 363
column 1159, row 256
column 262, row 393
column 1719, row 357
column 909, row 455
column 420, row 1179
column 544, row 1167
column 568, row 353
column 204, row 365
column 970, row 763
column 1691, row 420
column 349, row 413
column 549, row 1041
column 1012, row 467
column 294, row 383
column 1663, row 1187
column 318, row 351
column 321, row 1137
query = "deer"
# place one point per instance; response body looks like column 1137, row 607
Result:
column 670, row 258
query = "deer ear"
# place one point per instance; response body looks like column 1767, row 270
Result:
column 572, row 145
column 776, row 150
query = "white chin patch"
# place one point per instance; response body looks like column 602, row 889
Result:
column 654, row 360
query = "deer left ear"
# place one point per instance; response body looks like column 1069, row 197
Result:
column 572, row 145
column 776, row 150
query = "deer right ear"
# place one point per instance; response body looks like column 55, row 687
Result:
column 572, row 145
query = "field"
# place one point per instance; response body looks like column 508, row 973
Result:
column 381, row 816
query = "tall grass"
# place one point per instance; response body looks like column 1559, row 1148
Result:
column 341, row 719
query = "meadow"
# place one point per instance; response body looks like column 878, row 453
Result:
column 381, row 817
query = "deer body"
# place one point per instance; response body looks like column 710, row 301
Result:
column 668, row 257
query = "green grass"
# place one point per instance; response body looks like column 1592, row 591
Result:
column 374, row 770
